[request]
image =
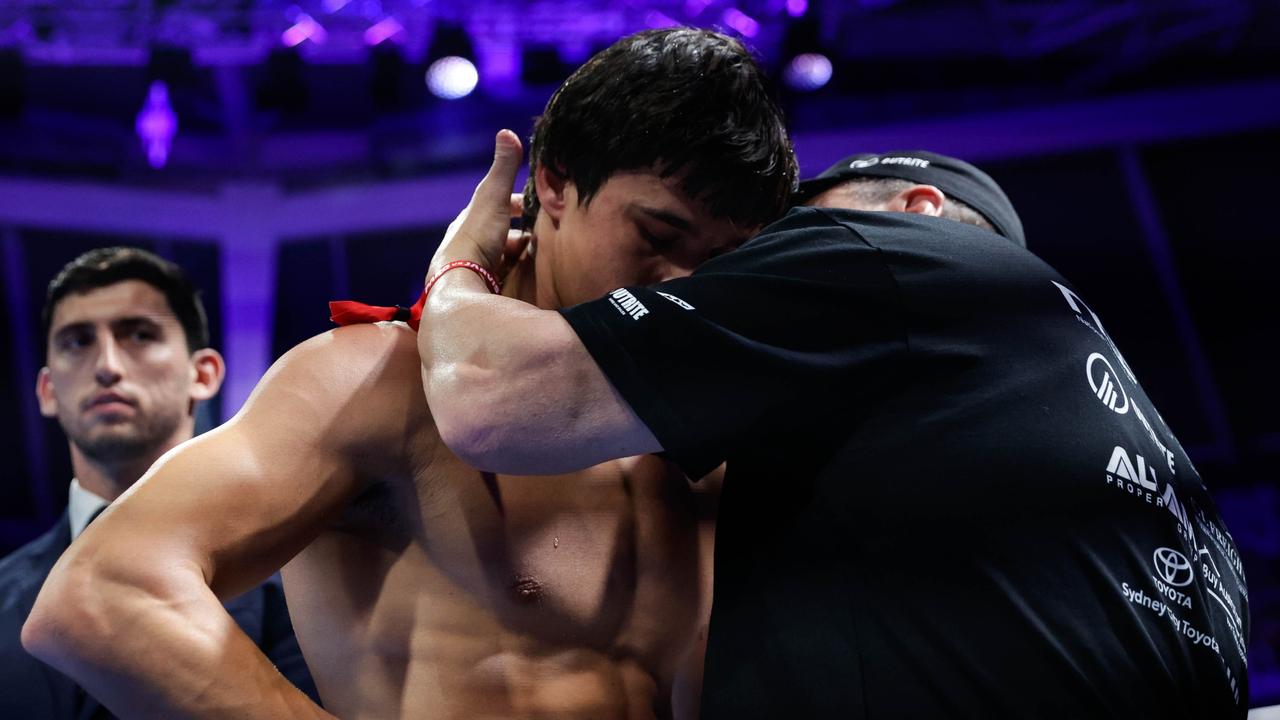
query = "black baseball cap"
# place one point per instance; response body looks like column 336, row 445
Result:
column 956, row 178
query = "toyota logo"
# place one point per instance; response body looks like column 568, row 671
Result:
column 1173, row 567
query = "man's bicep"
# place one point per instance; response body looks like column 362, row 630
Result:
column 243, row 499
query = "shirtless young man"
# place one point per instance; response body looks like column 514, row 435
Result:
column 420, row 587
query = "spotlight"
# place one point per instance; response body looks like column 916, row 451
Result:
column 797, row 8
column 452, row 77
column 808, row 72
column 451, row 63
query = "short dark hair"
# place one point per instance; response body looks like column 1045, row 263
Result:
column 676, row 100
column 878, row 190
column 108, row 266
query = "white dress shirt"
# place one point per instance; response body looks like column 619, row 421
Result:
column 81, row 506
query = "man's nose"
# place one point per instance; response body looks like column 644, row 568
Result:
column 110, row 368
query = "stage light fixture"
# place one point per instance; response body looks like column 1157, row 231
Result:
column 451, row 63
column 156, row 124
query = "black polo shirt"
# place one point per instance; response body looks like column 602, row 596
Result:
column 946, row 496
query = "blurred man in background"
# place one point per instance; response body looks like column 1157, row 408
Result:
column 128, row 360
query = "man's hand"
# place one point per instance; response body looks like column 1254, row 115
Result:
column 482, row 231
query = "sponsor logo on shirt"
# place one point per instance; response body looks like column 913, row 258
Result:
column 1102, row 378
column 1139, row 597
column 1218, row 592
column 676, row 300
column 1131, row 473
column 1121, row 469
column 1173, row 567
column 1090, row 319
column 1173, row 571
column 628, row 304
column 1104, row 381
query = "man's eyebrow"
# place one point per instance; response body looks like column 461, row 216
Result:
column 71, row 327
column 670, row 218
column 134, row 320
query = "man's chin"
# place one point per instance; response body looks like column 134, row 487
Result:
column 108, row 444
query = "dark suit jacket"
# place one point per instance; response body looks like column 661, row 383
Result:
column 29, row 689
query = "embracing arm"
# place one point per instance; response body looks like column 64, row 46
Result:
column 132, row 611
column 567, row 415
column 484, row 354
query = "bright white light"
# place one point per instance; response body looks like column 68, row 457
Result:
column 807, row 72
column 452, row 77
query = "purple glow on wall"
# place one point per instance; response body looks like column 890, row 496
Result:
column 796, row 8
column 694, row 8
column 386, row 29
column 742, row 22
column 304, row 28
column 657, row 19
column 157, row 124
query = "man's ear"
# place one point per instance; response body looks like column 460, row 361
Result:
column 551, row 191
column 44, row 393
column 919, row 199
column 207, row 372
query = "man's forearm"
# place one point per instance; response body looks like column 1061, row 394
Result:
column 513, row 390
column 152, row 646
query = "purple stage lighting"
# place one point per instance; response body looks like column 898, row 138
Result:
column 742, row 22
column 386, row 29
column 452, row 77
column 808, row 72
column 157, row 124
column 656, row 19
column 304, row 28
column 333, row 6
column 797, row 8
column 694, row 8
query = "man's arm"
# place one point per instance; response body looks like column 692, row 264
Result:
column 484, row 354
column 132, row 611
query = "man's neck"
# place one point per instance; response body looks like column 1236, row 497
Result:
column 522, row 283
column 109, row 480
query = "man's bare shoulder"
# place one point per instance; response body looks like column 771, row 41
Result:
column 355, row 385
column 353, row 355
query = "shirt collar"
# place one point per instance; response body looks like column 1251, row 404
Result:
column 81, row 506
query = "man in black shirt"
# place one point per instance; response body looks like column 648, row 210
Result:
column 947, row 494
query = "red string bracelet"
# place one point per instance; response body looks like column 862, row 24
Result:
column 348, row 312
column 495, row 287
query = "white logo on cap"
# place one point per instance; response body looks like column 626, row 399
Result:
column 859, row 164
column 911, row 161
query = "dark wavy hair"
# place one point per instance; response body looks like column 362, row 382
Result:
column 676, row 100
column 107, row 266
